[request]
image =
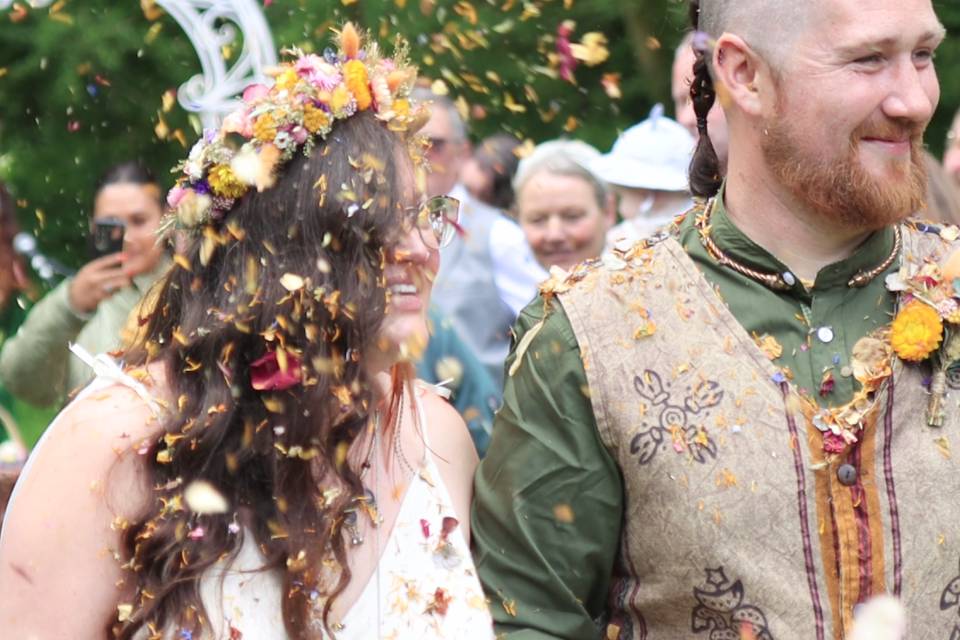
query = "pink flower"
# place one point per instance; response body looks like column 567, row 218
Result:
column 176, row 195
column 832, row 443
column 255, row 92
column 300, row 134
column 266, row 374
column 318, row 71
column 240, row 122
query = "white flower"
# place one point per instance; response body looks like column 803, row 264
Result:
column 897, row 282
column 246, row 165
column 193, row 209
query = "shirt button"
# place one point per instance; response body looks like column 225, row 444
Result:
column 847, row 475
column 825, row 335
column 789, row 278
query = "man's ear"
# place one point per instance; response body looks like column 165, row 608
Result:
column 738, row 74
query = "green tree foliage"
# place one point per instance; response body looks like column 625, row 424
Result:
column 87, row 83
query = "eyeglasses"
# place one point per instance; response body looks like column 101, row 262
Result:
column 436, row 220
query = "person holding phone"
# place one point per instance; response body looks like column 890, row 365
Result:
column 92, row 307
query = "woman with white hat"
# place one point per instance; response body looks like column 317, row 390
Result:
column 647, row 169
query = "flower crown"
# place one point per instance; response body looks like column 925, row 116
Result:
column 308, row 95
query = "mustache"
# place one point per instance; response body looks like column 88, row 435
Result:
column 891, row 130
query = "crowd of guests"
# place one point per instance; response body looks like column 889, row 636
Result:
column 457, row 285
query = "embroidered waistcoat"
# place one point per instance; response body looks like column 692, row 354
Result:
column 733, row 520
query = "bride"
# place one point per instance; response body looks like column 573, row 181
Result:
column 265, row 465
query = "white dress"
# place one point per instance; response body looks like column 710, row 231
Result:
column 424, row 587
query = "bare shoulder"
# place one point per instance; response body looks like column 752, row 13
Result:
column 446, row 429
column 62, row 529
column 452, row 449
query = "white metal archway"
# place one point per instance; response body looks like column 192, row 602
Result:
column 211, row 25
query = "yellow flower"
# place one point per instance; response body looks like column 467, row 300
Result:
column 916, row 331
column 265, row 128
column 225, row 183
column 401, row 107
column 340, row 99
column 314, row 119
column 287, row 80
column 355, row 77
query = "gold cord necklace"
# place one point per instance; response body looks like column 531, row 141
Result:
column 779, row 281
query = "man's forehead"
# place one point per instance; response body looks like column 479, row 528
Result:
column 878, row 22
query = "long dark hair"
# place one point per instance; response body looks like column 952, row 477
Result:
column 705, row 173
column 231, row 298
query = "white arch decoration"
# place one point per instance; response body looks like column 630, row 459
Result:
column 213, row 93
column 210, row 25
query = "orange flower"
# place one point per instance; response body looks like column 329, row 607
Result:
column 350, row 41
column 916, row 331
column 355, row 77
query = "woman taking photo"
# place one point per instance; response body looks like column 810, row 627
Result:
column 268, row 468
column 90, row 308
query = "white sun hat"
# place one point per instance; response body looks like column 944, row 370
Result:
column 654, row 154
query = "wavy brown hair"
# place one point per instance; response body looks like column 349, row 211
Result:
column 329, row 221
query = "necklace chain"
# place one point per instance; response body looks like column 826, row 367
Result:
column 776, row 281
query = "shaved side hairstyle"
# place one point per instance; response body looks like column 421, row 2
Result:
column 768, row 27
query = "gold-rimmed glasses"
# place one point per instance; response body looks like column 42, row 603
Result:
column 436, row 220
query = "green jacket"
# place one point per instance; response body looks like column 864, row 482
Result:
column 548, row 499
column 36, row 364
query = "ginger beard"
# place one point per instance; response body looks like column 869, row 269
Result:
column 842, row 190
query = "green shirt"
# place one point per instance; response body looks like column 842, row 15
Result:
column 548, row 497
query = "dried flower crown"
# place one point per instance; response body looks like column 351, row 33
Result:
column 274, row 123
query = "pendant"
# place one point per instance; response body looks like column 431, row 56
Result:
column 366, row 503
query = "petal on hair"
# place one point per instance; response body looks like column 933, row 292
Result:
column 266, row 374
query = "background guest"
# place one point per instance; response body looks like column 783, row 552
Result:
column 647, row 169
column 488, row 173
column 487, row 273
column 951, row 157
column 565, row 210
column 91, row 307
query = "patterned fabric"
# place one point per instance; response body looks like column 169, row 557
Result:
column 725, row 477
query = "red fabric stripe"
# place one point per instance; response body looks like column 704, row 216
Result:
column 804, row 521
column 891, row 490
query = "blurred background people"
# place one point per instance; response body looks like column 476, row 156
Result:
column 20, row 423
column 487, row 274
column 488, row 173
column 647, row 169
column 450, row 364
column 943, row 193
column 564, row 209
column 951, row 156
column 682, row 76
column 91, row 307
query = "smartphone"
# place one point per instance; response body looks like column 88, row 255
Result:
column 106, row 238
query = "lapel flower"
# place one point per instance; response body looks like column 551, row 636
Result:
column 916, row 331
column 275, row 373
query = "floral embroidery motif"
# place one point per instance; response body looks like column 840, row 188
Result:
column 668, row 421
column 949, row 599
column 722, row 613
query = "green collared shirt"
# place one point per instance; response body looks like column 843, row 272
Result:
column 547, row 574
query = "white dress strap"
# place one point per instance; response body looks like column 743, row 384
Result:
column 109, row 372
